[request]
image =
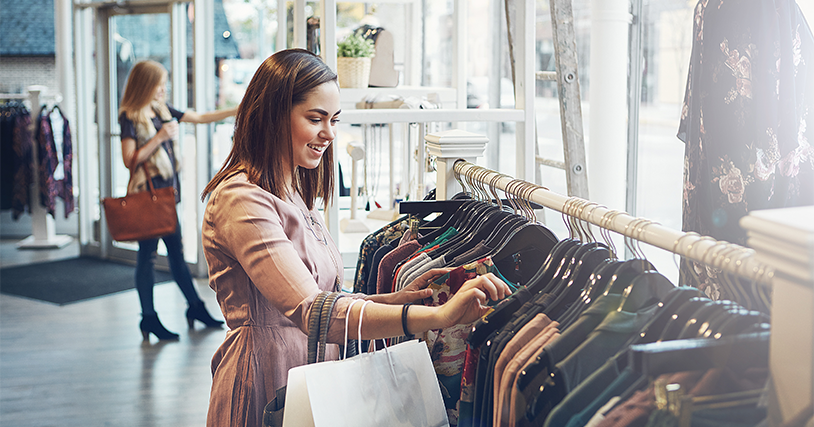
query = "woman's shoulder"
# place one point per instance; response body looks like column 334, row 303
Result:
column 237, row 188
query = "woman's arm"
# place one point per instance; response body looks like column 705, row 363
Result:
column 208, row 117
column 466, row 306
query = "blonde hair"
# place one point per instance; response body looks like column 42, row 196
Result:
column 144, row 78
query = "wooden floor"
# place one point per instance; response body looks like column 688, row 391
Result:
column 84, row 364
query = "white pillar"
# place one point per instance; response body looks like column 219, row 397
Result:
column 607, row 147
column 63, row 14
column 447, row 147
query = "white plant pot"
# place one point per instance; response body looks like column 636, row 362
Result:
column 353, row 72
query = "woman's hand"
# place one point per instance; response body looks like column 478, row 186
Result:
column 468, row 304
column 418, row 288
column 169, row 130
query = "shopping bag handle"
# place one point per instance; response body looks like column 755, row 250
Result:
column 358, row 340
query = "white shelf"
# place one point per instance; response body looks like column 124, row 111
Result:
column 350, row 96
column 428, row 116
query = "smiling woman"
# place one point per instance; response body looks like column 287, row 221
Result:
column 269, row 255
column 313, row 125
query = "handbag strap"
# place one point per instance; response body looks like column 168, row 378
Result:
column 146, row 174
column 313, row 325
column 324, row 321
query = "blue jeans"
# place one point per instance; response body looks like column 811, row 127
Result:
column 145, row 275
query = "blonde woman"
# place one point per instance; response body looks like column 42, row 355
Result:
column 149, row 130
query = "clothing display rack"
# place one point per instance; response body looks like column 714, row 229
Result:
column 43, row 228
column 583, row 334
column 790, row 377
column 723, row 255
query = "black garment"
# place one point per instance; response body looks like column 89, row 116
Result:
column 748, row 116
column 16, row 174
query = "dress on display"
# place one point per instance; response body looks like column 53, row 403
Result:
column 747, row 118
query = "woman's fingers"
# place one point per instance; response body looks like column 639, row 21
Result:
column 466, row 306
column 430, row 275
column 495, row 288
column 170, row 128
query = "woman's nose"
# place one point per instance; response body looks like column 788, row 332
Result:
column 328, row 132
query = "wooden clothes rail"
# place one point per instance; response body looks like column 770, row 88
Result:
column 723, row 255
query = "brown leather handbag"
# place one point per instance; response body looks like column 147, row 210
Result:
column 141, row 216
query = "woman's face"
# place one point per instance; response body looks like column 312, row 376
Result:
column 313, row 125
column 160, row 91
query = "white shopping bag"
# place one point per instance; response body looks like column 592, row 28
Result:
column 396, row 386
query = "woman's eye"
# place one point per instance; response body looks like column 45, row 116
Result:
column 315, row 120
column 334, row 121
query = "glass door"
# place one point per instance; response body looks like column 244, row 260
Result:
column 121, row 36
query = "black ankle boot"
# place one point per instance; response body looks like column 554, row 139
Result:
column 198, row 312
column 151, row 325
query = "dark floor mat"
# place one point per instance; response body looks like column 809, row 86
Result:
column 70, row 280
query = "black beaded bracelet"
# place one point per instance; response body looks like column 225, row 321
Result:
column 404, row 310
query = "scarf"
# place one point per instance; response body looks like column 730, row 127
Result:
column 159, row 162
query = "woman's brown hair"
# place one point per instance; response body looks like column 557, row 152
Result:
column 144, row 77
column 262, row 140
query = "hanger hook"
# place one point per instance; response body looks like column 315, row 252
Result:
column 456, row 171
column 566, row 216
column 641, row 236
column 593, row 207
column 528, row 189
column 584, row 225
column 492, row 187
column 688, row 258
column 577, row 221
column 709, row 268
column 604, row 230
column 629, row 235
column 730, row 280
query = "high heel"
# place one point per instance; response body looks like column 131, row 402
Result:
column 151, row 325
column 198, row 312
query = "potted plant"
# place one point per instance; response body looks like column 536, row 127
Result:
column 353, row 61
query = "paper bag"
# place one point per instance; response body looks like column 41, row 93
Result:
column 392, row 387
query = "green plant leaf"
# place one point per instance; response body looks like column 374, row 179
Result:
column 355, row 46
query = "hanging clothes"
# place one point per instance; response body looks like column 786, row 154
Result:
column 55, row 158
column 747, row 119
column 16, row 145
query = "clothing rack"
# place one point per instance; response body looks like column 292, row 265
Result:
column 729, row 257
column 43, row 228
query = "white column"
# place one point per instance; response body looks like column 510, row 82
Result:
column 63, row 27
column 282, row 25
column 447, row 147
column 299, row 24
column 607, row 147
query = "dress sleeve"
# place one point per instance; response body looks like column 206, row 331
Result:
column 128, row 129
column 252, row 227
column 175, row 113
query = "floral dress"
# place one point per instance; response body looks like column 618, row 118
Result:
column 747, row 119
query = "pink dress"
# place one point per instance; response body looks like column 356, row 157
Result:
column 268, row 258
